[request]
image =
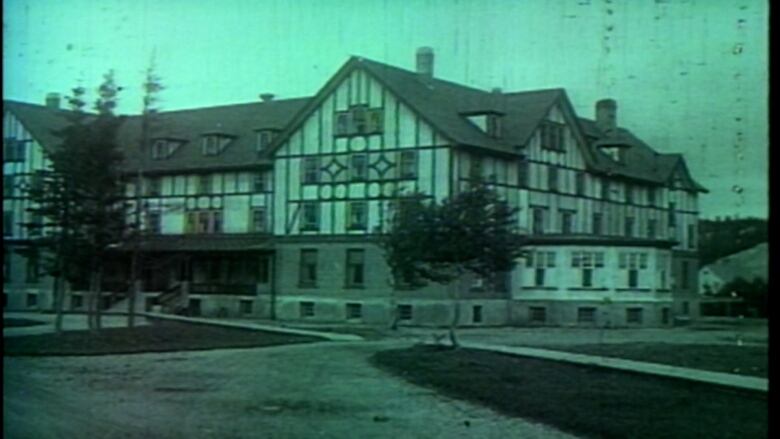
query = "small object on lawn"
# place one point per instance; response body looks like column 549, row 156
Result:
column 380, row 418
column 467, row 423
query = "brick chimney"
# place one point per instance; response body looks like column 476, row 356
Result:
column 606, row 116
column 53, row 101
column 267, row 97
column 425, row 62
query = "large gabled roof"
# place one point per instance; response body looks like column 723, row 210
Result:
column 39, row 120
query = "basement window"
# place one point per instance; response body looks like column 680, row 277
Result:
column 404, row 312
column 307, row 309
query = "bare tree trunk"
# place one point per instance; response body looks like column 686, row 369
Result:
column 58, row 299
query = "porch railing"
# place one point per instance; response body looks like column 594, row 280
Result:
column 224, row 289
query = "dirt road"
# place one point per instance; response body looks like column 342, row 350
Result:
column 321, row 390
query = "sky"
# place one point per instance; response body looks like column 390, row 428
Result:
column 689, row 76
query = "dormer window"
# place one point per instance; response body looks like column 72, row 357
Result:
column 359, row 120
column 494, row 125
column 164, row 148
column 264, row 140
column 551, row 136
column 487, row 121
column 213, row 144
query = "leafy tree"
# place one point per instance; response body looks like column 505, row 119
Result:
column 472, row 232
column 753, row 293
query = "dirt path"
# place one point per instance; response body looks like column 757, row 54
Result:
column 322, row 390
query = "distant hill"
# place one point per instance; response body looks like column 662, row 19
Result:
column 722, row 237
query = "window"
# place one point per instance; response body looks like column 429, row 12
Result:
column 76, row 301
column 476, row 314
column 8, row 223
column 308, row 273
column 652, row 228
column 598, row 220
column 567, row 222
column 212, row 144
column 540, row 261
column 686, row 308
column 32, row 268
column 651, row 195
column 538, row 314
column 306, row 309
column 633, row 276
column 552, row 136
column 359, row 119
column 259, row 220
column 159, row 149
column 258, row 182
column 311, row 216
column 665, row 316
column 153, row 222
column 629, row 226
column 264, row 270
column 8, row 185
column 205, row 184
column 539, row 277
column 311, row 169
column 587, row 261
column 405, row 312
column 672, row 215
column 245, row 307
column 691, row 236
column 14, row 150
column 522, row 173
column 604, row 190
column 358, row 169
column 203, row 221
column 586, row 315
column 632, row 262
column 579, row 183
column 629, row 193
column 475, row 167
column 552, row 178
column 355, row 268
column 32, row 300
column 153, row 185
column 354, row 311
column 408, row 168
column 357, row 215
column 587, row 277
column 342, row 123
column 375, row 120
column 634, row 315
column 684, row 275
column 500, row 281
column 537, row 222
column 264, row 140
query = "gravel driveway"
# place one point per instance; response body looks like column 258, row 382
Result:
column 320, row 390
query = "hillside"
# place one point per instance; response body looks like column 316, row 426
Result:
column 722, row 237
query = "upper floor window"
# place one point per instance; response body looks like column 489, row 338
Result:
column 567, row 222
column 357, row 215
column 475, row 167
column 164, row 148
column 259, row 222
column 494, row 125
column 672, row 215
column 311, row 169
column 204, row 221
column 551, row 134
column 214, row 144
column 629, row 226
column 311, row 216
column 355, row 268
column 579, row 183
column 651, row 196
column 598, row 223
column 605, row 189
column 14, row 149
column 258, row 182
column 408, row 164
column 359, row 119
column 153, row 222
column 205, row 184
column 552, row 178
column 538, row 220
column 153, row 186
column 629, row 193
column 264, row 140
column 652, row 228
column 358, row 168
column 308, row 267
column 522, row 173
column 691, row 236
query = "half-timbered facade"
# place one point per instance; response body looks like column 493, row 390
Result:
column 273, row 209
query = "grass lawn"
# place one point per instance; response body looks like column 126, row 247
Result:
column 742, row 360
column 160, row 336
column 20, row 323
column 585, row 401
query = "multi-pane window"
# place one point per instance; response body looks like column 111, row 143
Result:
column 651, row 195
column 652, row 228
column 522, row 173
column 634, row 315
column 359, row 120
column 311, row 216
column 598, row 223
column 311, row 169
column 537, row 314
column 245, row 307
column 494, row 125
column 205, row 184
column 213, row 144
column 33, row 269
column 408, row 167
column 685, row 269
column 672, row 215
column 258, row 182
column 204, row 221
column 354, row 311
column 540, row 261
column 475, row 167
column 537, row 221
column 567, row 222
column 164, row 148
column 358, row 168
column 308, row 267
column 355, row 268
column 358, row 217
column 629, row 193
column 552, row 178
column 605, row 189
column 587, row 262
column 691, row 236
column 154, row 222
column 306, row 309
column 13, row 150
column 586, row 314
column 629, row 226
column 552, row 136
column 579, row 183
column 662, row 262
column 476, row 314
column 632, row 262
column 342, row 123
column 259, row 220
column 264, row 140
column 375, row 118
column 32, row 300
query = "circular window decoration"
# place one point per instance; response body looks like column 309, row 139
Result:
column 191, row 203
column 341, row 191
column 374, row 190
column 326, row 192
column 216, row 202
column 203, row 202
column 389, row 189
column 357, row 144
